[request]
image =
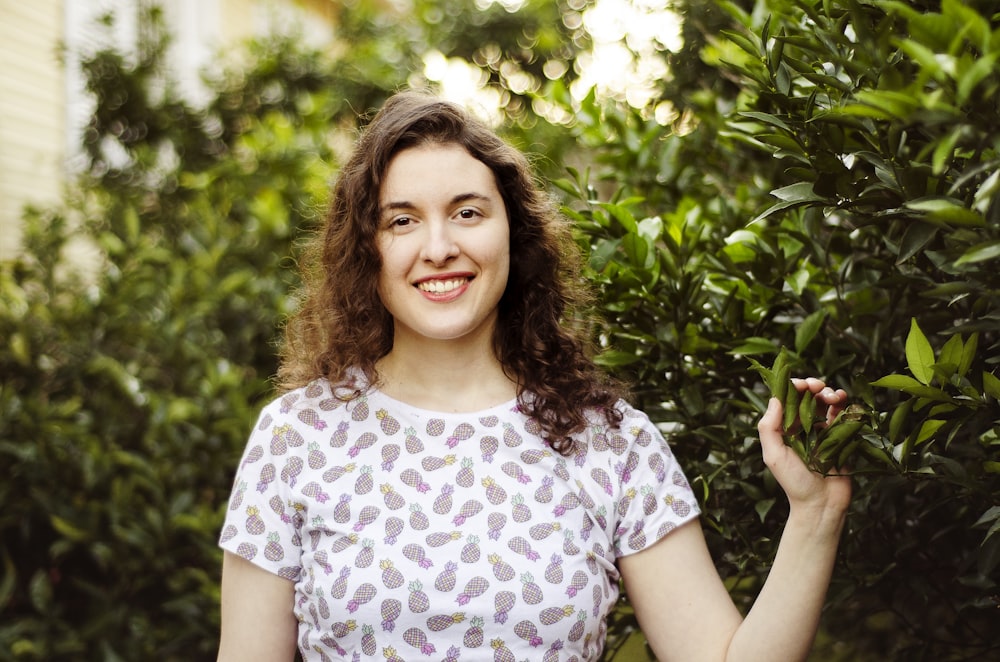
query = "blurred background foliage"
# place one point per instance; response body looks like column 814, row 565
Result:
column 819, row 176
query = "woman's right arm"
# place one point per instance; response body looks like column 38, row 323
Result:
column 257, row 618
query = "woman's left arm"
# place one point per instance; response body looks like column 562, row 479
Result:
column 680, row 601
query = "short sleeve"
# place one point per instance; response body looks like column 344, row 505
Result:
column 263, row 521
column 655, row 497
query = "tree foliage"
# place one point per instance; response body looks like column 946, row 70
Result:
column 829, row 187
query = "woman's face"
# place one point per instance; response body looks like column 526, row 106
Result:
column 444, row 240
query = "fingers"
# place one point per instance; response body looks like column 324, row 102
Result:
column 769, row 427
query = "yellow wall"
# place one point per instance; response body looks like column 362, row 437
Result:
column 32, row 111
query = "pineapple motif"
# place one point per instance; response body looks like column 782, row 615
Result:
column 474, row 635
column 312, row 419
column 247, row 550
column 288, row 401
column 391, row 577
column 560, row 471
column 366, row 555
column 321, row 561
column 511, row 438
column 418, row 520
column 637, row 540
column 279, row 445
column 333, row 473
column 413, row 443
column 442, row 504
column 530, row 591
column 631, row 462
column 618, row 443
column 314, row 390
column 552, row 615
column 418, row 639
column 368, row 646
column 339, row 437
column 655, row 462
column 601, row 514
column 519, row 511
column 390, row 609
column 465, row 476
column 489, row 421
column 488, row 446
column 317, row 459
column 389, row 653
column 343, row 542
column 494, row 493
column 418, row 602
column 367, row 515
column 390, row 453
column 389, row 424
column 680, row 507
column 393, row 527
column 440, row 538
column 626, row 501
column 503, row 602
column 461, row 433
column 329, row 404
column 342, row 511
column 412, row 478
column 544, row 493
column 602, row 478
column 362, row 595
column 552, row 654
column 238, row 495
column 267, row 475
column 527, row 631
column 391, row 497
column 366, row 440
column 554, row 572
column 313, row 490
column 519, row 545
column 417, row 554
column 293, row 467
column 343, row 628
column 473, row 589
column 229, row 533
column 327, row 641
column 649, row 502
column 324, row 606
column 431, row 463
column 453, row 653
column 514, row 470
column 496, row 522
column 591, row 561
column 597, row 601
column 254, row 524
column 364, row 482
column 469, row 509
column 577, row 583
column 534, row 455
column 500, row 651
column 544, row 530
column 359, row 408
column 576, row 632
column 569, row 547
column 265, row 422
column 445, row 581
column 339, row 587
column 435, row 427
column 501, row 569
column 253, row 455
column 642, row 436
column 444, row 621
column 586, row 527
column 471, row 553
column 568, row 502
column 273, row 551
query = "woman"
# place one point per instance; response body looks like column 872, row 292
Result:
column 447, row 475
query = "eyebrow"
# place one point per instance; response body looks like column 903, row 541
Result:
column 403, row 205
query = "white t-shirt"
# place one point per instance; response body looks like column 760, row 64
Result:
column 419, row 535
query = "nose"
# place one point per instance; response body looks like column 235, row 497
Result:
column 439, row 243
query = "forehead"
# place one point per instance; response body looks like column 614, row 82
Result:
column 435, row 168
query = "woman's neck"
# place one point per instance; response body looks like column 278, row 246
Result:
column 446, row 376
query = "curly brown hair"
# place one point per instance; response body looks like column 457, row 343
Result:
column 541, row 333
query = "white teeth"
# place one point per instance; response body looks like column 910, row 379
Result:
column 440, row 286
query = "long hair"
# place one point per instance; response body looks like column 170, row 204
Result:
column 541, row 334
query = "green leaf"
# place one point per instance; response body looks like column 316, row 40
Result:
column 897, row 382
column 991, row 384
column 918, row 234
column 799, row 192
column 616, row 358
column 928, row 429
column 919, row 354
column 806, row 331
column 989, row 250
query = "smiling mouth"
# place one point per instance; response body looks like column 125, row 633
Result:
column 441, row 286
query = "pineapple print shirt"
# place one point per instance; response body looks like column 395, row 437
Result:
column 418, row 535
